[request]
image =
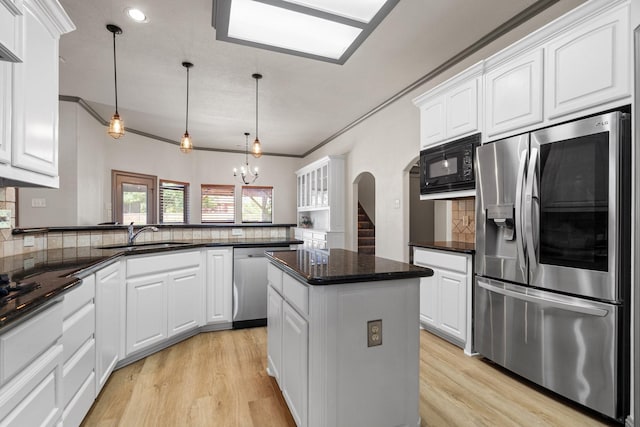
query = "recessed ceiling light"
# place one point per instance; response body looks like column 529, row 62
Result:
column 136, row 14
column 327, row 30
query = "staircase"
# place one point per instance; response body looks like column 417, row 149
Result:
column 366, row 233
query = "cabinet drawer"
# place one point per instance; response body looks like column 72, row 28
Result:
column 274, row 277
column 81, row 403
column 77, row 370
column 439, row 259
column 296, row 293
column 77, row 329
column 22, row 344
column 159, row 263
column 79, row 296
column 34, row 397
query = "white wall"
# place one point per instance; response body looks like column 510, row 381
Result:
column 90, row 155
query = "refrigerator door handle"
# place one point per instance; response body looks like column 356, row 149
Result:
column 574, row 307
column 520, row 245
column 528, row 212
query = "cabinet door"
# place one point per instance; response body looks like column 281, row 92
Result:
column 429, row 299
column 146, row 311
column 589, row 65
column 274, row 332
column 219, row 285
column 185, row 299
column 109, row 317
column 432, row 122
column 5, row 111
column 295, row 354
column 35, row 97
column 462, row 109
column 452, row 289
column 514, row 94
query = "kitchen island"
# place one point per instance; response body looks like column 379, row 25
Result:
column 343, row 337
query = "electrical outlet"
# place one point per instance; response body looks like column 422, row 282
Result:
column 28, row 263
column 465, row 220
column 237, row 232
column 29, row 241
column 374, row 333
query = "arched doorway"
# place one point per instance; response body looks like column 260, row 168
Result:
column 365, row 184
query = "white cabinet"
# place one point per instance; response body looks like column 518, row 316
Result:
column 34, row 98
column 274, row 332
column 6, row 71
column 78, row 343
column 219, row 285
column 445, row 297
column 110, row 314
column 10, row 30
column 146, row 311
column 589, row 64
column 185, row 299
column 295, row 358
column 321, row 207
column 165, row 297
column 31, row 358
column 451, row 110
column 514, row 93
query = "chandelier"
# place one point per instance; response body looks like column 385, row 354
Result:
column 247, row 176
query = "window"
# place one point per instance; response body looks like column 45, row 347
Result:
column 218, row 203
column 174, row 202
column 133, row 197
column 257, row 204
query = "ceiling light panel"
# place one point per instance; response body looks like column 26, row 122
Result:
column 359, row 10
column 136, row 14
column 265, row 24
column 326, row 30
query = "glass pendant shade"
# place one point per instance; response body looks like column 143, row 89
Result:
column 256, row 149
column 185, row 143
column 116, row 126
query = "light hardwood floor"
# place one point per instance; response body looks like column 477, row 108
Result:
column 219, row 379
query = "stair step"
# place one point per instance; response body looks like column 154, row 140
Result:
column 368, row 250
column 366, row 232
column 365, row 224
column 366, row 241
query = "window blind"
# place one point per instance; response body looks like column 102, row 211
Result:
column 218, row 203
column 174, row 202
column 257, row 204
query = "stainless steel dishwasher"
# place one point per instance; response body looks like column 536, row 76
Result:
column 250, row 286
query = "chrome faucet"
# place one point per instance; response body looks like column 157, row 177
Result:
column 132, row 235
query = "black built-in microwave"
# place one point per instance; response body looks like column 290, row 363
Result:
column 448, row 167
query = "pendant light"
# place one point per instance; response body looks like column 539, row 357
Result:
column 116, row 125
column 186, row 145
column 246, row 174
column 256, row 149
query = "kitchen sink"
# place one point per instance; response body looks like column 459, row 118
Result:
column 146, row 245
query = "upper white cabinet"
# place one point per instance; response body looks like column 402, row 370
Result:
column 513, row 93
column 589, row 64
column 451, row 109
column 31, row 152
column 320, row 198
column 577, row 65
column 10, row 30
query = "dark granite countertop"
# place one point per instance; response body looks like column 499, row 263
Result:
column 115, row 227
column 451, row 246
column 338, row 266
column 51, row 273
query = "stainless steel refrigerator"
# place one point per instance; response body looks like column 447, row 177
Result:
column 551, row 293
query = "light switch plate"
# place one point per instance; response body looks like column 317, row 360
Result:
column 237, row 232
column 5, row 218
column 29, row 241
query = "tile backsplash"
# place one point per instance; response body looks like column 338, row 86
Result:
column 463, row 220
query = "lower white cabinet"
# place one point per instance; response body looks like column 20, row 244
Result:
column 445, row 297
column 110, row 312
column 33, row 396
column 164, row 297
column 295, row 358
column 219, row 285
column 79, row 345
column 274, row 336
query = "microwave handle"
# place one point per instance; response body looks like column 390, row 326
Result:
column 529, row 207
column 519, row 223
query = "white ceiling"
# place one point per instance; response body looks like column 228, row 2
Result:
column 302, row 102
